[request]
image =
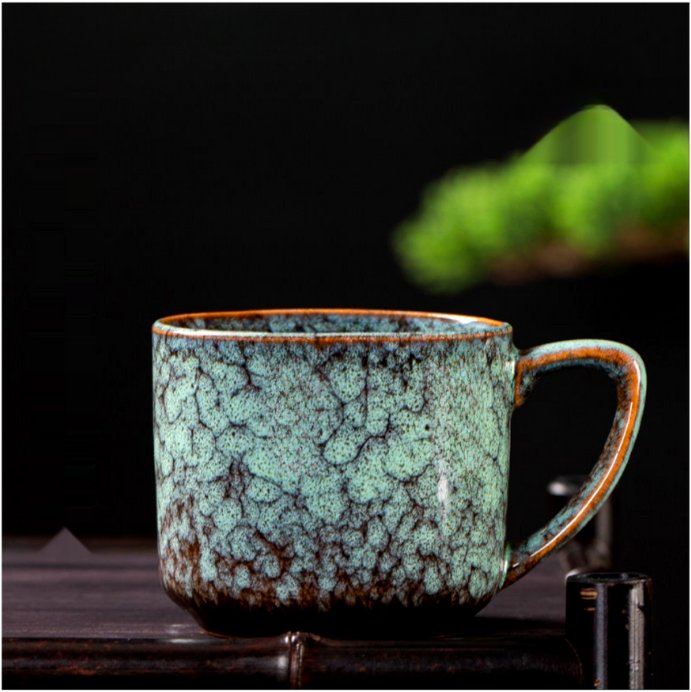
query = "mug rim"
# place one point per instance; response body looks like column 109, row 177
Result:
column 163, row 327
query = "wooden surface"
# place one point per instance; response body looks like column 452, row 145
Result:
column 98, row 618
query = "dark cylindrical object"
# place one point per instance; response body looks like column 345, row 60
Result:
column 609, row 623
column 294, row 660
column 483, row 663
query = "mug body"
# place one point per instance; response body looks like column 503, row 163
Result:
column 337, row 471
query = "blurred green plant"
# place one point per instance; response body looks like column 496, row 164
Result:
column 594, row 191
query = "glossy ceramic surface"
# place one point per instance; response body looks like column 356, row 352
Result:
column 338, row 470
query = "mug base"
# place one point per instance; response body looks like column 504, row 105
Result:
column 392, row 621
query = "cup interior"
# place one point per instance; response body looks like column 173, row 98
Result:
column 330, row 322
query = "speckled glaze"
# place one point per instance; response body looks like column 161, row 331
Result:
column 344, row 472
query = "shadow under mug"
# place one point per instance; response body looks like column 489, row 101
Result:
column 345, row 472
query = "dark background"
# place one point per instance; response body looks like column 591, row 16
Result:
column 161, row 159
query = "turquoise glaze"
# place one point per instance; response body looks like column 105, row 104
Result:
column 315, row 463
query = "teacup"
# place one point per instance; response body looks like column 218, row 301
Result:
column 345, row 472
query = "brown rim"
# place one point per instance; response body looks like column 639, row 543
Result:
column 163, row 326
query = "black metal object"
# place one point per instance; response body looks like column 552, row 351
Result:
column 595, row 547
column 609, row 624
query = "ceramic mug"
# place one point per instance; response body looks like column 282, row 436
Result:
column 345, row 472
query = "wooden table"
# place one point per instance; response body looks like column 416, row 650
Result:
column 99, row 619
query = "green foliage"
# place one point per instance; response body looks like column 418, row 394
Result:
column 473, row 217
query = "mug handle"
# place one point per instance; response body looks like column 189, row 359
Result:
column 626, row 368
